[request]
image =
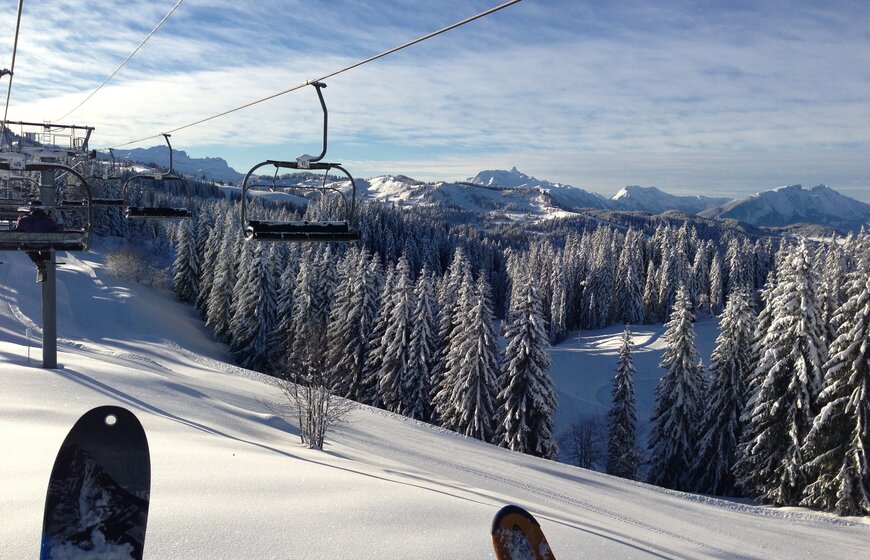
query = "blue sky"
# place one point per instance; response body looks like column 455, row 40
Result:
column 716, row 98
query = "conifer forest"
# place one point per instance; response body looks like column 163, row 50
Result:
column 442, row 320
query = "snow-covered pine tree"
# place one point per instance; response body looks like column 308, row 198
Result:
column 213, row 245
column 558, row 303
column 738, row 272
column 832, row 286
column 220, row 300
column 699, row 281
column 396, row 340
column 307, row 339
column 473, row 404
column 628, row 294
column 837, row 447
column 651, row 304
column 786, row 382
column 726, row 397
column 598, row 294
column 528, row 396
column 326, row 281
column 717, row 284
column 448, row 294
column 204, row 224
column 254, row 313
column 369, row 389
column 679, row 401
column 280, row 343
column 623, row 455
column 185, row 266
column 348, row 330
column 422, row 356
column 443, row 400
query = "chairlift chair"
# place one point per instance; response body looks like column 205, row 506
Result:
column 340, row 230
column 152, row 209
column 75, row 234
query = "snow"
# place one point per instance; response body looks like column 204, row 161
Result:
column 651, row 199
column 230, row 479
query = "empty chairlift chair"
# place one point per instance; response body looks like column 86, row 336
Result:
column 142, row 194
column 335, row 228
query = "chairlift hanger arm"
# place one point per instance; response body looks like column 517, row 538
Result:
column 317, row 87
column 166, row 137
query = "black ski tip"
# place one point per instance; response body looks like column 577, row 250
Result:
column 99, row 490
column 512, row 510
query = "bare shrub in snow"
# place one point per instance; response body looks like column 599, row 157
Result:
column 584, row 443
column 131, row 265
column 316, row 408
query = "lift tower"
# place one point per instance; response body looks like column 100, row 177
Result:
column 44, row 162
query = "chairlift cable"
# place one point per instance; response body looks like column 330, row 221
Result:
column 126, row 60
column 11, row 71
column 334, row 73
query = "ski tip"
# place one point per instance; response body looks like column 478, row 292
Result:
column 509, row 510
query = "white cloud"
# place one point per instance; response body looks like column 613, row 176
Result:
column 583, row 89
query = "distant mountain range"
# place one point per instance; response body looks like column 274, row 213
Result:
column 511, row 195
column 213, row 168
column 794, row 204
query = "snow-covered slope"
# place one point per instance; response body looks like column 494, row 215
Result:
column 230, row 479
column 794, row 204
column 656, row 201
column 213, row 168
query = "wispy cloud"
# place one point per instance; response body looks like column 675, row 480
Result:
column 584, row 90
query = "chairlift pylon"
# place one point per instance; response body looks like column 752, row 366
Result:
column 338, row 230
column 153, row 209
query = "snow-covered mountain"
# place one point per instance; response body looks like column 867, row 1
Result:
column 794, row 204
column 492, row 201
column 656, row 201
column 557, row 195
column 509, row 195
column 213, row 168
column 231, row 480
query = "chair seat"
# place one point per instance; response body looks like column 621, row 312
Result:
column 337, row 231
column 69, row 240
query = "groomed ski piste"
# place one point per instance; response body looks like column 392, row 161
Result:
column 230, row 479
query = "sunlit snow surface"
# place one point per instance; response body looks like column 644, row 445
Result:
column 230, row 479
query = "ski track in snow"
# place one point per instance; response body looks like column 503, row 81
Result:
column 536, row 490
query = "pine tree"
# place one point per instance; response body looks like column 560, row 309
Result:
column 254, row 311
column 460, row 269
column 628, row 296
column 445, row 405
column 280, row 343
column 395, row 342
column 679, row 401
column 837, row 447
column 623, row 456
column 786, row 386
column 351, row 322
column 220, row 300
column 306, row 343
column 473, row 401
column 185, row 267
column 422, row 351
column 651, row 294
column 370, row 389
column 528, row 397
column 725, row 400
column 717, row 284
column 211, row 254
